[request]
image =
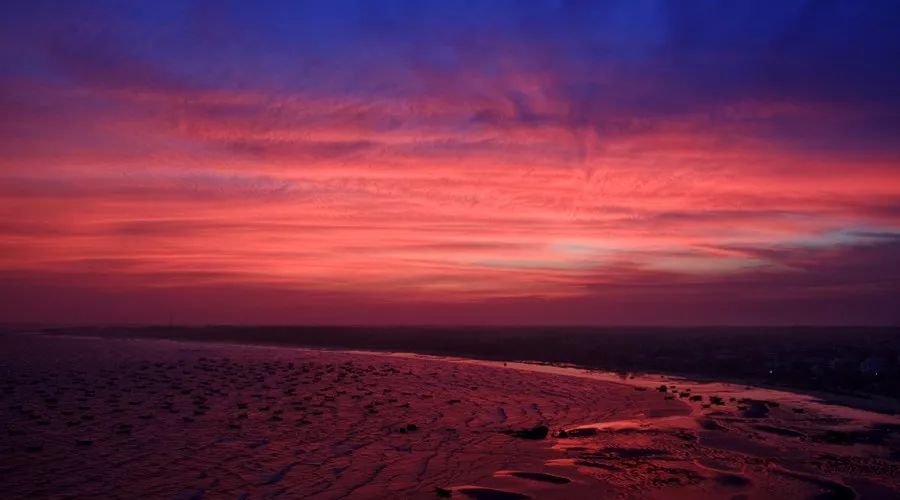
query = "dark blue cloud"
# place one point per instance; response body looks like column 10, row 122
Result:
column 601, row 60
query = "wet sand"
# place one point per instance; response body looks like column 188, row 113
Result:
column 128, row 418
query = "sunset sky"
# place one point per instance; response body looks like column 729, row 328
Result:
column 450, row 162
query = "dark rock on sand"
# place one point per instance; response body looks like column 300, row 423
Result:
column 491, row 494
column 576, row 433
column 540, row 476
column 732, row 480
column 755, row 409
column 536, row 432
column 710, row 424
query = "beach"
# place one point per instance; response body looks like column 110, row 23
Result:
column 153, row 418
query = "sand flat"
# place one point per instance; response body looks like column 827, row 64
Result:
column 104, row 418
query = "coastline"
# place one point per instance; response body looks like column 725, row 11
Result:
column 227, row 419
column 873, row 404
